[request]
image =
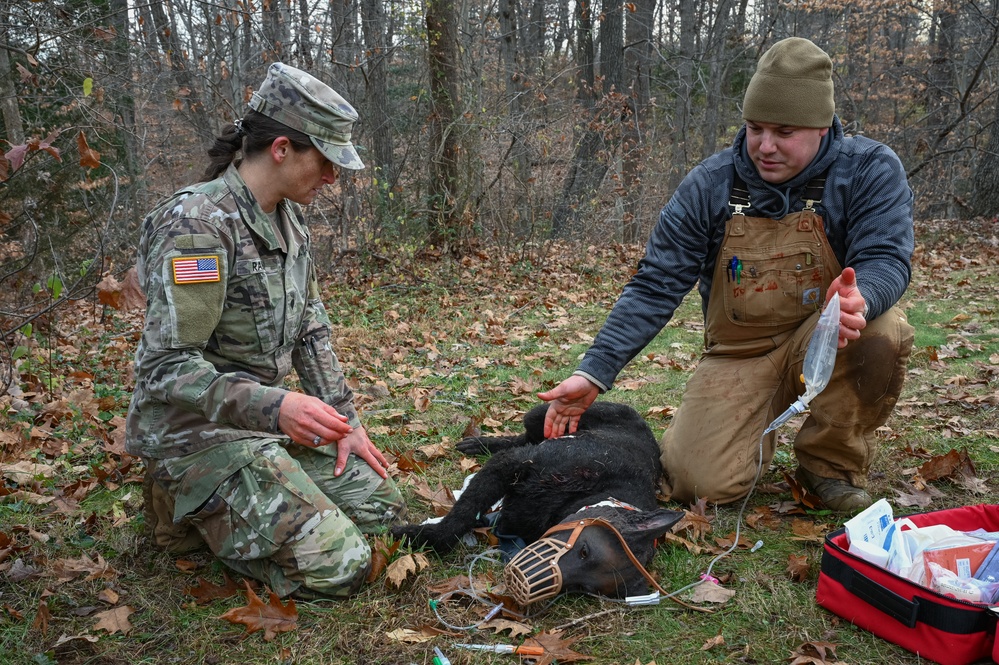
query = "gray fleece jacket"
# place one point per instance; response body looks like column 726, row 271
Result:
column 866, row 207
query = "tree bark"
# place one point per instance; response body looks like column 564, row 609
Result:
column 586, row 171
column 441, row 18
column 184, row 79
column 376, row 117
column 11, row 112
column 514, row 80
column 638, row 61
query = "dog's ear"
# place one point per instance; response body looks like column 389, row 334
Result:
column 652, row 524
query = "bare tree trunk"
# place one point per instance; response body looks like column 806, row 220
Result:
column 986, row 194
column 377, row 121
column 11, row 112
column 514, row 80
column 442, row 41
column 638, row 61
column 124, row 90
column 612, row 45
column 683, row 111
column 304, row 37
column 586, row 171
column 185, row 80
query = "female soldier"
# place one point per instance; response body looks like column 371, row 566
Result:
column 281, row 485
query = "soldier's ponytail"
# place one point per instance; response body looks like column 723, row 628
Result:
column 252, row 134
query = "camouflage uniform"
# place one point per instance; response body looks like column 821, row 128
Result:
column 229, row 314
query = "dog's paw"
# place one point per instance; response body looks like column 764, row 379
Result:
column 413, row 533
column 473, row 445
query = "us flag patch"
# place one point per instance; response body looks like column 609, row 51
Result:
column 195, row 269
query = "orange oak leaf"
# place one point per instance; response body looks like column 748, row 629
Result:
column 205, row 592
column 797, row 567
column 556, row 648
column 271, row 617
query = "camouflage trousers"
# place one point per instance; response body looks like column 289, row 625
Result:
column 284, row 519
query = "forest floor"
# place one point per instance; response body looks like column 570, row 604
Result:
column 435, row 349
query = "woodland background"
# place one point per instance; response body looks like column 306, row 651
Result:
column 502, row 123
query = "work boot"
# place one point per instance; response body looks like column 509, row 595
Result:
column 157, row 511
column 836, row 493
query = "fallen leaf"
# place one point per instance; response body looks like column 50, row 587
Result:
column 800, row 494
column 500, row 625
column 797, row 567
column 115, row 620
column 715, row 641
column 271, row 617
column 24, row 472
column 556, row 648
column 815, row 653
column 381, row 551
column 409, row 564
column 65, row 639
column 67, row 569
column 109, row 596
column 920, row 498
column 407, row 636
column 205, row 592
column 709, row 592
column 42, row 617
column 808, row 531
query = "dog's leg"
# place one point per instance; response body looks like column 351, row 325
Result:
column 481, row 445
column 487, row 487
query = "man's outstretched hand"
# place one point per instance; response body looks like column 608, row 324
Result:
column 851, row 306
column 568, row 400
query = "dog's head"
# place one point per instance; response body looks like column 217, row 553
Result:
column 602, row 551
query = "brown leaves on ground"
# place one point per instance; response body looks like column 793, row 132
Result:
column 798, row 567
column 272, row 617
column 557, row 648
column 954, row 465
column 205, row 592
column 815, row 653
column 115, row 620
column 404, row 567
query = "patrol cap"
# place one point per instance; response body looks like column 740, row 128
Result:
column 303, row 102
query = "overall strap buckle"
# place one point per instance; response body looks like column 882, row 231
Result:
column 739, row 197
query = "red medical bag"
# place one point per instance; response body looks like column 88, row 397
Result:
column 939, row 628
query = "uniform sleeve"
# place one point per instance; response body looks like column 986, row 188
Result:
column 185, row 269
column 315, row 361
column 674, row 256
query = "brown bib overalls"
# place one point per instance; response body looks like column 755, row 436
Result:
column 769, row 284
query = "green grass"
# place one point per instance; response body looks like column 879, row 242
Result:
column 429, row 349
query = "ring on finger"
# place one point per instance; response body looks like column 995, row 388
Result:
column 316, row 441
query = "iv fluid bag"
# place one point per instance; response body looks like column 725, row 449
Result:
column 821, row 354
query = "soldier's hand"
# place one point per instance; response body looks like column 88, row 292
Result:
column 358, row 443
column 311, row 422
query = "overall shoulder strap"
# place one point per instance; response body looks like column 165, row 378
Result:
column 739, row 196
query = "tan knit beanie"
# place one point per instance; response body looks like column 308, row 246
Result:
column 792, row 86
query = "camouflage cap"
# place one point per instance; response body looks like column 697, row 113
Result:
column 305, row 103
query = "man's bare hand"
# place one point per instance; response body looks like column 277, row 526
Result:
column 569, row 400
column 851, row 306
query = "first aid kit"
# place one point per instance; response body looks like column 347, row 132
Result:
column 926, row 582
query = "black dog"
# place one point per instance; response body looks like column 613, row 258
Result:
column 611, row 460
